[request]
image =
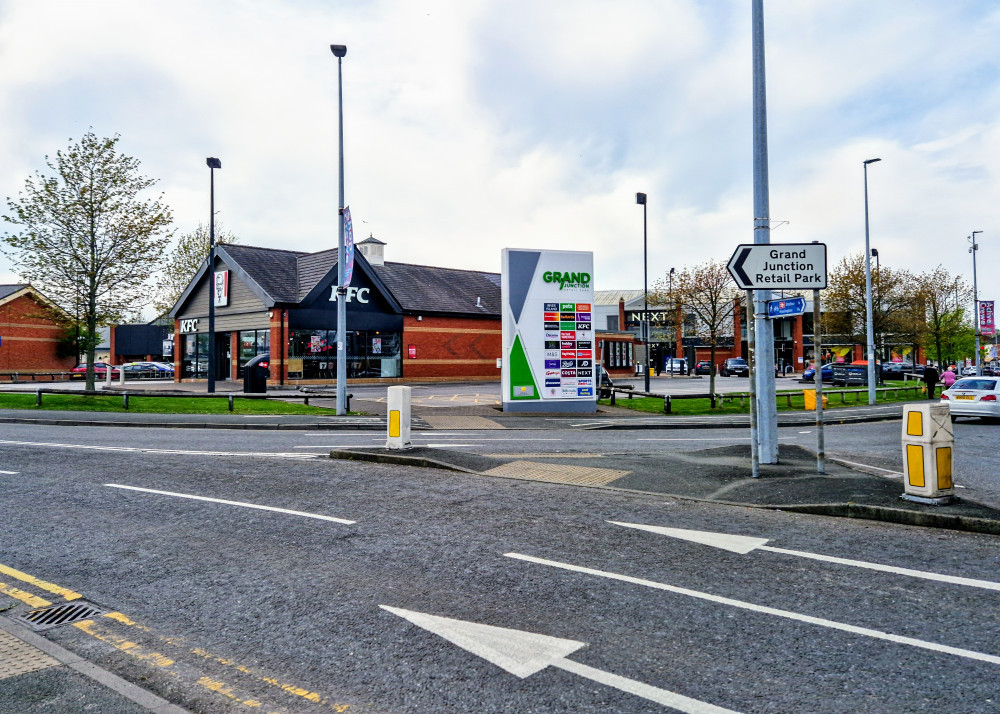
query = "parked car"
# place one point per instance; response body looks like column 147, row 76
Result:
column 703, row 367
column 675, row 365
column 735, row 366
column 605, row 385
column 826, row 371
column 969, row 371
column 148, row 369
column 100, row 371
column 973, row 397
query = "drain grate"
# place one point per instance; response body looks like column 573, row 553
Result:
column 44, row 618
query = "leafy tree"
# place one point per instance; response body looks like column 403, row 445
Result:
column 87, row 239
column 708, row 295
column 948, row 331
column 183, row 262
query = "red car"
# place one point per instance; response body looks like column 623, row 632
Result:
column 100, row 371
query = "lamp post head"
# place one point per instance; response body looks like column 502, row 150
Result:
column 338, row 50
column 870, row 161
column 640, row 198
column 213, row 163
column 672, row 271
column 874, row 252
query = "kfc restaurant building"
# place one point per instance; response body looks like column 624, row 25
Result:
column 404, row 321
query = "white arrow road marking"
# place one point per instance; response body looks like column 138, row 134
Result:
column 745, row 544
column 822, row 622
column 232, row 503
column 525, row 653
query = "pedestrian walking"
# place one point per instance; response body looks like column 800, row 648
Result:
column 930, row 379
column 948, row 378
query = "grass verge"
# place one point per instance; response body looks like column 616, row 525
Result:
column 154, row 405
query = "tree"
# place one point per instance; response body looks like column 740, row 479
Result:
column 708, row 294
column 947, row 330
column 183, row 262
column 87, row 239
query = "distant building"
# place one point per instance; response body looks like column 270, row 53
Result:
column 30, row 332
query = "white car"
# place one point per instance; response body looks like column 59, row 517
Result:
column 969, row 371
column 973, row 397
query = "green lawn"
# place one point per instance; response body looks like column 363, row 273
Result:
column 787, row 400
column 154, row 405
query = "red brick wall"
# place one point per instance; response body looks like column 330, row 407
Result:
column 28, row 339
column 452, row 347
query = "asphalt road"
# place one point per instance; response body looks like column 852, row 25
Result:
column 224, row 607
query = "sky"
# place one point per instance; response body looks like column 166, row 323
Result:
column 475, row 125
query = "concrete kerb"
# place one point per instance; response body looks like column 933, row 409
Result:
column 901, row 516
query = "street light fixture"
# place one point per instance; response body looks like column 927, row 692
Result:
column 975, row 299
column 640, row 198
column 213, row 164
column 869, row 332
column 340, row 51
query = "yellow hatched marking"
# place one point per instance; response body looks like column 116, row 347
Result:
column 41, row 584
column 915, row 464
column 23, row 596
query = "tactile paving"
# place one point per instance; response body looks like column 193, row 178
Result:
column 559, row 473
column 18, row 657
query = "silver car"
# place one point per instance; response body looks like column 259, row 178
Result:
column 973, row 397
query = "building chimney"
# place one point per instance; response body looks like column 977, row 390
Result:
column 373, row 249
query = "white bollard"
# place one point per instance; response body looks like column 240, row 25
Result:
column 399, row 419
column 928, row 443
column 107, row 376
column 121, row 375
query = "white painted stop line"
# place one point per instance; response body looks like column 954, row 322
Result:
column 822, row 622
column 9, row 473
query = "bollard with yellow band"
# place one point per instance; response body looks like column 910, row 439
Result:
column 398, row 423
column 928, row 444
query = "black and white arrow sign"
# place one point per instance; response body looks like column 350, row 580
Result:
column 525, row 653
column 779, row 266
column 745, row 544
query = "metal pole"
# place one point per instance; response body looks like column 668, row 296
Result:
column 975, row 299
column 869, row 329
column 211, row 281
column 754, row 449
column 339, row 51
column 818, row 380
column 764, row 338
column 645, row 294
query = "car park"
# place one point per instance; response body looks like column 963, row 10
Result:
column 100, row 371
column 969, row 371
column 735, row 367
column 973, row 397
column 703, row 367
column 675, row 365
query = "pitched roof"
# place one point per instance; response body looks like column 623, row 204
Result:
column 7, row 290
column 611, row 297
column 424, row 288
column 274, row 270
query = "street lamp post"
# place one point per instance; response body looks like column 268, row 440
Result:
column 975, row 300
column 869, row 332
column 213, row 164
column 670, row 291
column 339, row 51
column 880, row 348
column 640, row 198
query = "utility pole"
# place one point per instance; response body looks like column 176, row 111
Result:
column 975, row 300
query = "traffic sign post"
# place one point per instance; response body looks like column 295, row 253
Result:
column 779, row 266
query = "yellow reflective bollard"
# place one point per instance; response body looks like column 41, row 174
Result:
column 928, row 444
column 810, row 398
column 398, row 423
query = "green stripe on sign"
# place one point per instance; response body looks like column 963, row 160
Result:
column 522, row 383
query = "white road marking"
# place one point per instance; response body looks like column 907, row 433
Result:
column 141, row 450
column 9, row 473
column 525, row 653
column 745, row 544
column 712, row 438
column 822, row 622
column 232, row 503
column 869, row 466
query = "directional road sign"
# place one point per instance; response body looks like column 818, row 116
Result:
column 779, row 266
column 786, row 307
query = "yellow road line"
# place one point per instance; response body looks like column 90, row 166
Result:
column 125, row 645
column 23, row 596
column 42, row 584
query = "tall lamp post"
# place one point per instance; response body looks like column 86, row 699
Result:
column 869, row 331
column 339, row 51
column 670, row 292
column 975, row 299
column 213, row 164
column 640, row 198
column 877, row 281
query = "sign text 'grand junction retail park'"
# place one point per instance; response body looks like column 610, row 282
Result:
column 779, row 266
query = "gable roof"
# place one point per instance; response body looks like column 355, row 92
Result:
column 424, row 288
column 8, row 290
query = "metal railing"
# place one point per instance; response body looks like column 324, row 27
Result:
column 231, row 397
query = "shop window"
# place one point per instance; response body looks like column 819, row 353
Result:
column 251, row 344
column 194, row 359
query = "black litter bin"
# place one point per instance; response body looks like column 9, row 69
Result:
column 255, row 374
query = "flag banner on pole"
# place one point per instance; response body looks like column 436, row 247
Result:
column 348, row 246
column 986, row 324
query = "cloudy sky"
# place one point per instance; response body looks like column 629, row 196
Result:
column 474, row 125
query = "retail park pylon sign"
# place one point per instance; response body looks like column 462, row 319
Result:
column 549, row 352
